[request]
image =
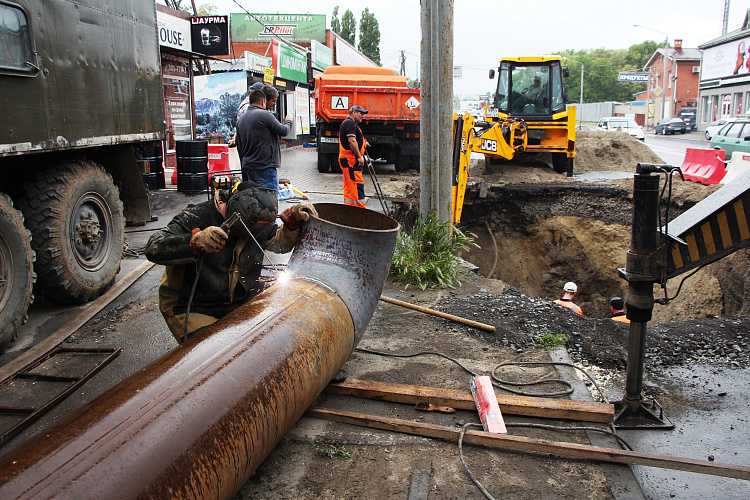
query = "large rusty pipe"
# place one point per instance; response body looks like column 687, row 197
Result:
column 198, row 421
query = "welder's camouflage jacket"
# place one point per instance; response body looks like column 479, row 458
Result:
column 228, row 278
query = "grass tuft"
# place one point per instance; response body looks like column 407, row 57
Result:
column 549, row 340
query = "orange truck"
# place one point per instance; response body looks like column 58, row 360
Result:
column 391, row 125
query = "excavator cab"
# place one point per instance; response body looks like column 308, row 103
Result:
column 529, row 89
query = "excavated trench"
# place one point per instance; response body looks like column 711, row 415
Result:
column 537, row 231
column 537, row 237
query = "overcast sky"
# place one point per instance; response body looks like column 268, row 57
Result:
column 485, row 30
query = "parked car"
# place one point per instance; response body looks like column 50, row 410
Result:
column 670, row 126
column 716, row 126
column 734, row 136
column 628, row 125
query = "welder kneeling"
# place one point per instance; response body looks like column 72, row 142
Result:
column 213, row 267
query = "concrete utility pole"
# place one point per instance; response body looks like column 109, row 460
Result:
column 436, row 116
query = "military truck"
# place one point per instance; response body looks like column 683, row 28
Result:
column 80, row 91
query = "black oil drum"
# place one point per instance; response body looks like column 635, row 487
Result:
column 192, row 157
column 192, row 183
column 154, row 178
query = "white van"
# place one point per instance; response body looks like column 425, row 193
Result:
column 628, row 125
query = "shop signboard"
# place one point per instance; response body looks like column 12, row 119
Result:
column 299, row 28
column 210, row 35
column 632, row 77
column 256, row 63
column 289, row 64
column 322, row 56
column 173, row 32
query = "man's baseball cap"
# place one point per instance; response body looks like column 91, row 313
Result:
column 570, row 287
column 359, row 108
column 617, row 303
column 256, row 86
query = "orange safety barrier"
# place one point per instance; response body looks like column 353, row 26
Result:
column 705, row 166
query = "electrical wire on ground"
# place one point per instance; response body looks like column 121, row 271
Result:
column 503, row 384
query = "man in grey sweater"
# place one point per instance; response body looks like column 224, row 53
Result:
column 258, row 133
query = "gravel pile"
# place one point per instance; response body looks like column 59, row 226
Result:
column 601, row 342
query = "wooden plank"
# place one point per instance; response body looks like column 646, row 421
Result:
column 564, row 409
column 530, row 445
column 45, row 346
column 439, row 314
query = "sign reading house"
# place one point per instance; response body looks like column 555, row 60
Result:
column 210, row 35
column 292, row 27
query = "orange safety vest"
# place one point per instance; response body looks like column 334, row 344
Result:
column 354, row 185
column 620, row 317
column 570, row 305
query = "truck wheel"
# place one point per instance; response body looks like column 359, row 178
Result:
column 324, row 162
column 401, row 163
column 562, row 164
column 76, row 221
column 16, row 271
column 414, row 162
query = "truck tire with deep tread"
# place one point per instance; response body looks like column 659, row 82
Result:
column 76, row 220
column 324, row 162
column 16, row 271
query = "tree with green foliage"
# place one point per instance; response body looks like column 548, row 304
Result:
column 601, row 67
column 335, row 23
column 348, row 27
column 369, row 36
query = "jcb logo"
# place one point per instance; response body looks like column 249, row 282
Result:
column 489, row 145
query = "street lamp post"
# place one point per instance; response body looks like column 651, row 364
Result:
column 578, row 62
column 664, row 72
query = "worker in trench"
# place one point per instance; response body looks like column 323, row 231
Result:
column 617, row 309
column 219, row 268
column 569, row 292
column 352, row 145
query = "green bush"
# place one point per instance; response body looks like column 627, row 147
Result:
column 426, row 255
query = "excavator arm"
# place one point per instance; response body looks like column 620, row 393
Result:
column 503, row 140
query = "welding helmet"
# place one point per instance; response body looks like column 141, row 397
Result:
column 257, row 206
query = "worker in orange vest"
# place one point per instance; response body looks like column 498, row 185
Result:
column 352, row 146
column 616, row 307
column 566, row 300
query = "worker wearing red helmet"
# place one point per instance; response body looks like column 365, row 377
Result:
column 352, row 146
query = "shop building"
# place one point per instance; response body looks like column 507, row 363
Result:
column 725, row 76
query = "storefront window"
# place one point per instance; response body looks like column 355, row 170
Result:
column 705, row 111
column 176, row 81
column 737, row 107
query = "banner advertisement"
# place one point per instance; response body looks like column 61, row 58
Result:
column 177, row 110
column 292, row 27
column 728, row 59
column 302, row 103
column 256, row 63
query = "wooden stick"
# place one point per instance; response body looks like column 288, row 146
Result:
column 475, row 324
column 530, row 445
column 564, row 409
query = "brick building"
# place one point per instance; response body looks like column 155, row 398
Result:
column 682, row 81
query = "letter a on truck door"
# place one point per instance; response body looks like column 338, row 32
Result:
column 340, row 102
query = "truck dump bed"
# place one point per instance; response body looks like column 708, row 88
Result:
column 379, row 90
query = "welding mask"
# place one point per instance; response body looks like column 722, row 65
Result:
column 257, row 206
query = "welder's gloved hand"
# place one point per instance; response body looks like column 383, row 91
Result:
column 209, row 240
column 303, row 211
column 293, row 217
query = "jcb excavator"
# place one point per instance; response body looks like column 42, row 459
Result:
column 528, row 115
